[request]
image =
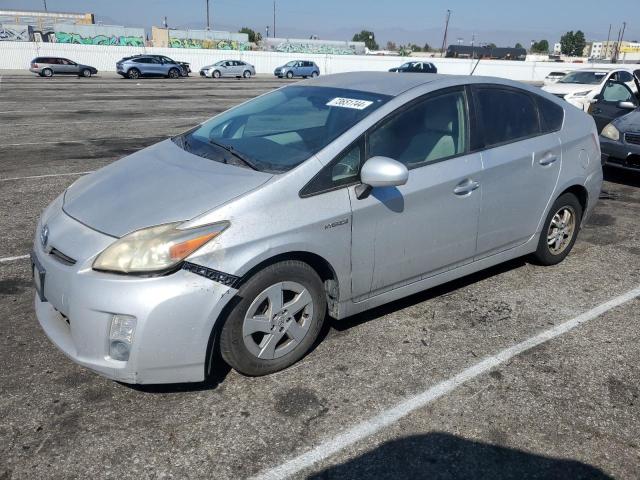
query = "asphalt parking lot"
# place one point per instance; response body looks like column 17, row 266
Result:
column 566, row 408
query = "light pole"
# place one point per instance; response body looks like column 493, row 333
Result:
column 45, row 5
column 267, row 31
column 208, row 26
column 274, row 18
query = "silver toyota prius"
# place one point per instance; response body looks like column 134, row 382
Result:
column 328, row 197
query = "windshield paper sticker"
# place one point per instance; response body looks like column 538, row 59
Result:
column 349, row 103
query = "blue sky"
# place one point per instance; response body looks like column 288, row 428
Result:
column 498, row 21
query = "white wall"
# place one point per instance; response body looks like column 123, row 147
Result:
column 17, row 55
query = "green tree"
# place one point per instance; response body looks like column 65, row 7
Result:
column 369, row 39
column 427, row 48
column 540, row 47
column 572, row 44
column 391, row 46
column 519, row 45
column 415, row 48
column 254, row 36
column 492, row 45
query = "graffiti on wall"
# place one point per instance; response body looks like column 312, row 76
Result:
column 14, row 33
column 287, row 47
column 208, row 44
column 114, row 40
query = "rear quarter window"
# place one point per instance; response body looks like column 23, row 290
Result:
column 551, row 115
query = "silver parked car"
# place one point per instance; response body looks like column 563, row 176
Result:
column 48, row 66
column 330, row 196
column 228, row 68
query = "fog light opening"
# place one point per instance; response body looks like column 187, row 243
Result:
column 121, row 335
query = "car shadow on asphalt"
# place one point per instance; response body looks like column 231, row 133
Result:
column 623, row 177
column 442, row 456
column 439, row 291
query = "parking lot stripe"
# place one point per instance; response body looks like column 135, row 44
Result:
column 12, row 259
column 388, row 417
column 45, row 176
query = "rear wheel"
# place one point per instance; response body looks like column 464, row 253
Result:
column 133, row 74
column 47, row 72
column 560, row 230
column 216, row 74
column 85, row 73
column 174, row 73
column 277, row 319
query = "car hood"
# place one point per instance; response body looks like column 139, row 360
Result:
column 568, row 88
column 157, row 185
column 629, row 122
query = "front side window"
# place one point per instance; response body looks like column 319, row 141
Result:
column 278, row 131
column 506, row 115
column 617, row 92
column 623, row 77
column 433, row 129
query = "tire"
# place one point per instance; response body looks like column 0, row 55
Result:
column 561, row 228
column 244, row 344
column 314, row 74
column 173, row 73
column 47, row 72
column 246, row 74
column 133, row 74
column 289, row 75
column 85, row 73
column 216, row 74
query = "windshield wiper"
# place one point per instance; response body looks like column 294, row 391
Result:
column 233, row 152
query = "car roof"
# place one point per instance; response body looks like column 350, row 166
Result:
column 382, row 83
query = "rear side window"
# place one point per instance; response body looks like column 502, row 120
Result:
column 623, row 77
column 551, row 115
column 506, row 115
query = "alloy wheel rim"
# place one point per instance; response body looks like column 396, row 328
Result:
column 561, row 230
column 277, row 320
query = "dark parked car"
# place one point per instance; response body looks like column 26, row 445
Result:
column 416, row 67
column 614, row 100
column 47, row 66
column 151, row 66
column 620, row 142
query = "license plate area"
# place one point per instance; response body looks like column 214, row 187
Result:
column 39, row 274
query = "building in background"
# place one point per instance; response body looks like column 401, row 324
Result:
column 627, row 51
column 325, row 47
column 208, row 39
column 27, row 26
column 497, row 53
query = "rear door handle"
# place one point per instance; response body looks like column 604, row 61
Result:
column 465, row 187
column 548, row 159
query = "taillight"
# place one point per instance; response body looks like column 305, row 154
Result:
column 34, row 65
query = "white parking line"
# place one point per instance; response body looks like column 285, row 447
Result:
column 45, row 176
column 388, row 417
column 13, row 259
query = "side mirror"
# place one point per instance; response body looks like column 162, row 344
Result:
column 381, row 172
column 627, row 105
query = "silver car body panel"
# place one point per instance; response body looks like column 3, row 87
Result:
column 396, row 242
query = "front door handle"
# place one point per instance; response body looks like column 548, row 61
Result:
column 548, row 159
column 465, row 187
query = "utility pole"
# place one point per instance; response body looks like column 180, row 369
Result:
column 274, row 18
column 614, row 56
column 267, row 31
column 45, row 5
column 607, row 44
column 208, row 26
column 446, row 29
column 624, row 27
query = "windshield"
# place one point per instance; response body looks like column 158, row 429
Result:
column 290, row 64
column 278, row 131
column 584, row 78
column 221, row 62
column 405, row 65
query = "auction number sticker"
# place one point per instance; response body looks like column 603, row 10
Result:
column 349, row 103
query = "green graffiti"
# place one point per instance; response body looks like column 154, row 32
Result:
column 117, row 40
column 287, row 47
column 208, row 44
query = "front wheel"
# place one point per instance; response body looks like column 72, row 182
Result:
column 560, row 230
column 133, row 74
column 174, row 73
column 276, row 320
column 246, row 74
column 85, row 73
column 289, row 74
column 216, row 74
column 314, row 74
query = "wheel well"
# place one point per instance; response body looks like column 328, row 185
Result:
column 581, row 194
column 321, row 266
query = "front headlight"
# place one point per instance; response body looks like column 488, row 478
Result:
column 155, row 249
column 611, row 132
column 581, row 94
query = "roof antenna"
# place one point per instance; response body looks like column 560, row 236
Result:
column 476, row 66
